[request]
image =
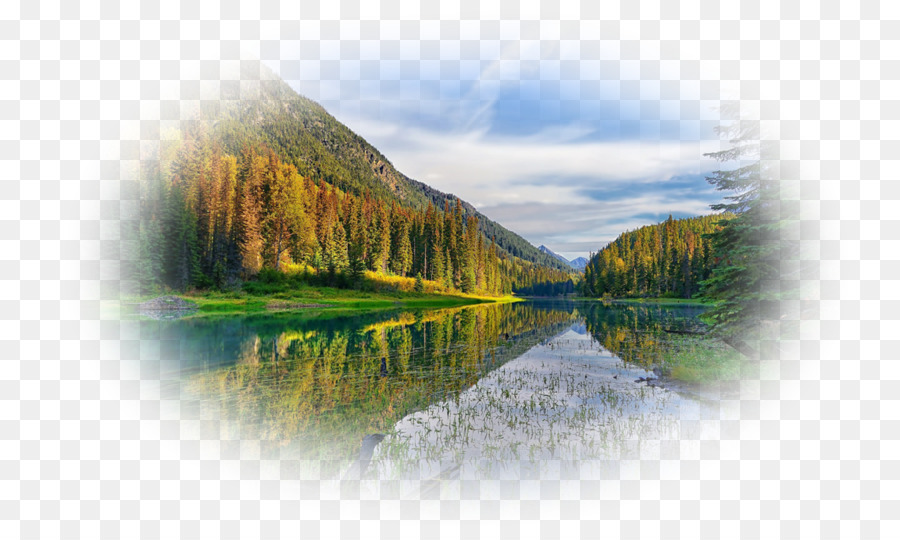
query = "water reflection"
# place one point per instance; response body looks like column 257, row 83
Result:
column 483, row 384
column 571, row 401
column 640, row 334
column 323, row 384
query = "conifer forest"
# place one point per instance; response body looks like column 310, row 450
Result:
column 669, row 259
column 213, row 219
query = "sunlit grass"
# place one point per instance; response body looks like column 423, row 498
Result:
column 701, row 360
column 704, row 361
column 307, row 297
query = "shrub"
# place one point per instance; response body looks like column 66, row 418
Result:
column 420, row 284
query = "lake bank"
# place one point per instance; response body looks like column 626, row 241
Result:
column 556, row 378
column 679, row 355
column 312, row 298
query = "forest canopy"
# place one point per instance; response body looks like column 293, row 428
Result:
column 671, row 259
column 212, row 219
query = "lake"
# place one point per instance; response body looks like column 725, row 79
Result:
column 479, row 391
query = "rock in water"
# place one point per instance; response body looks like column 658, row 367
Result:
column 166, row 307
column 167, row 303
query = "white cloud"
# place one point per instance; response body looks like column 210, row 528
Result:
column 491, row 171
column 452, row 145
column 499, row 176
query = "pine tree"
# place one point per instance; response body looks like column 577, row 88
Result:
column 401, row 248
column 746, row 248
column 337, row 258
column 379, row 238
column 250, row 222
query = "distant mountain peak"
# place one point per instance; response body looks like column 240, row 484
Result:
column 579, row 263
column 576, row 264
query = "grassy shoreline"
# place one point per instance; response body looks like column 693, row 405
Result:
column 689, row 359
column 700, row 360
column 319, row 298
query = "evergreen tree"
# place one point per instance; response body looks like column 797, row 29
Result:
column 212, row 217
column 657, row 260
column 746, row 248
column 379, row 238
column 419, row 285
column 401, row 247
column 250, row 227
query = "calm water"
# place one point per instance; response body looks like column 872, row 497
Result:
column 457, row 392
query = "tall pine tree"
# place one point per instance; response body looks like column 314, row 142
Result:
column 746, row 248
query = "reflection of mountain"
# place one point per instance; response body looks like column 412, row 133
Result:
column 321, row 382
column 579, row 328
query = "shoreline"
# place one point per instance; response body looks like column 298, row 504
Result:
column 301, row 301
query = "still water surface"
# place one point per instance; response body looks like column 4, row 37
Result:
column 473, row 391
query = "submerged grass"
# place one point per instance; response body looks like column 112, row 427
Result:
column 701, row 359
column 550, row 404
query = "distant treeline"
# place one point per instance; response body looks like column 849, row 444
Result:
column 671, row 259
column 210, row 219
column 548, row 288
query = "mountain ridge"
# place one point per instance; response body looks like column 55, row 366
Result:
column 320, row 146
column 576, row 264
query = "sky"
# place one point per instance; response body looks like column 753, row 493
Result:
column 567, row 142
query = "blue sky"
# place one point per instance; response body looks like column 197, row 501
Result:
column 568, row 149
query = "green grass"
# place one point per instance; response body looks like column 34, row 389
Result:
column 308, row 298
column 701, row 360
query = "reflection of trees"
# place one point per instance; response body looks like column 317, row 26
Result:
column 320, row 382
column 637, row 333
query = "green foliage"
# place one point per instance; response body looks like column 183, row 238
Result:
column 420, row 285
column 304, row 135
column 277, row 182
column 150, row 262
column 748, row 249
column 663, row 336
column 667, row 260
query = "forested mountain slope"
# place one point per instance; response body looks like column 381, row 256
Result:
column 667, row 259
column 276, row 183
column 303, row 134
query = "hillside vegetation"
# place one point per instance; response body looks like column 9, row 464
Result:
column 214, row 219
column 670, row 259
column 303, row 134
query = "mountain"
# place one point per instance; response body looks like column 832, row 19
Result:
column 305, row 135
column 577, row 264
column 548, row 251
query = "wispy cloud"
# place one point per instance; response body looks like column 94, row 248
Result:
column 545, row 167
column 565, row 150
